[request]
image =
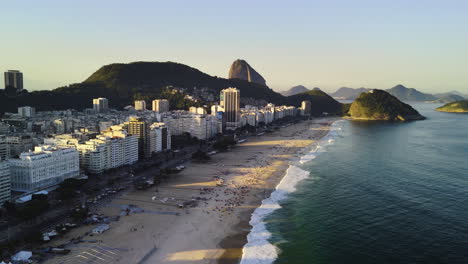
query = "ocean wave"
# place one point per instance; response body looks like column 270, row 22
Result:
column 258, row 249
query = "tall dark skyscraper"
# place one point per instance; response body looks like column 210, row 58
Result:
column 14, row 79
column 230, row 100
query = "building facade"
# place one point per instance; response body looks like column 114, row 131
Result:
column 160, row 137
column 19, row 144
column 14, row 79
column 112, row 148
column 5, row 185
column 4, row 153
column 160, row 105
column 202, row 127
column 26, row 111
column 197, row 110
column 140, row 105
column 230, row 100
column 44, row 167
column 139, row 127
column 100, row 105
column 306, row 108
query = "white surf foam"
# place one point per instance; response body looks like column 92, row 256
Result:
column 258, row 249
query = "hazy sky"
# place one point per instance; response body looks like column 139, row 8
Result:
column 328, row 44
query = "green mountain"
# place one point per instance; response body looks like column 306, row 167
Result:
column 123, row 83
column 321, row 102
column 380, row 105
column 455, row 107
column 410, row 94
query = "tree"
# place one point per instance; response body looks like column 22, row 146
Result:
column 9, row 207
column 32, row 209
column 224, row 142
column 200, row 156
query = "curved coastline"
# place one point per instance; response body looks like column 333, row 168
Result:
column 258, row 249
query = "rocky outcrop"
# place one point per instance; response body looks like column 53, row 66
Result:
column 454, row 107
column 240, row 69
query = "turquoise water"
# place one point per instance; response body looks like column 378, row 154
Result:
column 382, row 193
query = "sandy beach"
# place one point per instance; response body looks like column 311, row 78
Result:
column 214, row 225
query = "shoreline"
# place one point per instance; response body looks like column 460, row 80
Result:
column 215, row 229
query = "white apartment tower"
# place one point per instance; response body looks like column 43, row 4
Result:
column 26, row 111
column 160, row 105
column 230, row 100
column 306, row 108
column 100, row 105
column 111, row 149
column 140, row 105
column 160, row 137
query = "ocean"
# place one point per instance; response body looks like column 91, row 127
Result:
column 371, row 192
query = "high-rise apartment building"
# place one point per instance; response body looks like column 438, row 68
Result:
column 112, row 148
column 230, row 100
column 19, row 144
column 5, row 185
column 215, row 109
column 202, row 127
column 197, row 110
column 160, row 105
column 139, row 127
column 3, row 148
column 123, row 147
column 160, row 138
column 14, row 79
column 140, row 105
column 306, row 108
column 4, row 128
column 44, row 167
column 26, row 111
column 100, row 105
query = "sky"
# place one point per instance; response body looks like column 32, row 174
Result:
column 316, row 43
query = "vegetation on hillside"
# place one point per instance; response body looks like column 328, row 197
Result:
column 321, row 102
column 455, row 107
column 380, row 105
column 123, row 83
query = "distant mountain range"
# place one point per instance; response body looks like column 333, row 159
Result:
column 410, row 94
column 124, row 83
column 297, row 90
column 440, row 95
column 401, row 92
column 346, row 93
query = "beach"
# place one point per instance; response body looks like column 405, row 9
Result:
column 218, row 198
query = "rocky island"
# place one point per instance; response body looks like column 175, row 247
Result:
column 380, row 105
column 455, row 107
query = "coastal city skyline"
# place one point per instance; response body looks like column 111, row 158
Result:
column 248, row 132
column 328, row 44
